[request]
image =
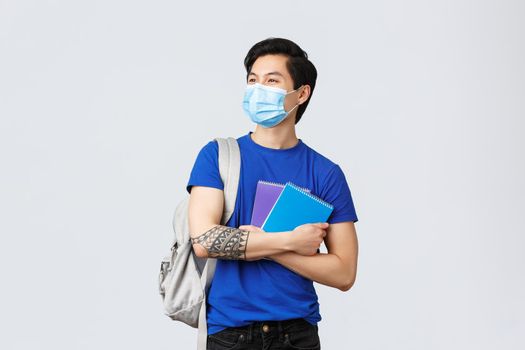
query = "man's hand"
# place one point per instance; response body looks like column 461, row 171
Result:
column 306, row 239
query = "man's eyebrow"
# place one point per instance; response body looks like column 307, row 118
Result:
column 270, row 73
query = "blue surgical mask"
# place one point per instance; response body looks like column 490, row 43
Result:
column 265, row 104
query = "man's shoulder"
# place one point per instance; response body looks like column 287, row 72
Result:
column 210, row 146
column 321, row 160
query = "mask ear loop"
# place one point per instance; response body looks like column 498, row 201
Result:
column 292, row 109
column 296, row 104
column 294, row 90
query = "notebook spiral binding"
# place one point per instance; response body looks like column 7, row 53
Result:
column 271, row 183
column 281, row 185
column 311, row 195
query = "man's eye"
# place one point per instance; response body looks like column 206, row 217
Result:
column 272, row 80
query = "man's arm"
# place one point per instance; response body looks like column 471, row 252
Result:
column 210, row 239
column 337, row 268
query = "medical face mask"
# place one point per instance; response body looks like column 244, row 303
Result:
column 265, row 104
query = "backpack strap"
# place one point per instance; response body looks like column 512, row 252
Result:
column 229, row 168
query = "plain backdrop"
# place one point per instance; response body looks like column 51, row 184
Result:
column 104, row 106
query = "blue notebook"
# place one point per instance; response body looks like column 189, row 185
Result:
column 296, row 207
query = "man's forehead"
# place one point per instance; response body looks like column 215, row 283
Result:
column 267, row 64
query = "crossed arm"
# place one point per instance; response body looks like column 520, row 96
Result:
column 294, row 250
column 337, row 268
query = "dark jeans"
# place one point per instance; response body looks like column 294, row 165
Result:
column 265, row 335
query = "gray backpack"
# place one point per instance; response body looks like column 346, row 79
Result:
column 184, row 278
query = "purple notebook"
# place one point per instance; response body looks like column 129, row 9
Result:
column 266, row 195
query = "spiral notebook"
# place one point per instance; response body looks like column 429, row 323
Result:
column 266, row 195
column 295, row 207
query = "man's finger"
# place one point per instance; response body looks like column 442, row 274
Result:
column 250, row 228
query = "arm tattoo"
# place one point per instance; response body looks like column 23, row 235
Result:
column 224, row 242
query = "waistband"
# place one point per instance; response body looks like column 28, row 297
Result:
column 278, row 328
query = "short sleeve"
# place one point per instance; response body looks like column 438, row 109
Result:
column 337, row 192
column 205, row 171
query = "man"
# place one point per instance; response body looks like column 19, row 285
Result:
column 253, row 302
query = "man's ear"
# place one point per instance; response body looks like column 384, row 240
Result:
column 304, row 94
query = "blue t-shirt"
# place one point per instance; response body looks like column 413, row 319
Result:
column 242, row 291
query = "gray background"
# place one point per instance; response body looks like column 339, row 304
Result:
column 105, row 104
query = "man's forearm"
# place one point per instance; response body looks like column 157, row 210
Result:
column 223, row 242
column 327, row 269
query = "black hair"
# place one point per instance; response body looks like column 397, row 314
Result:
column 301, row 70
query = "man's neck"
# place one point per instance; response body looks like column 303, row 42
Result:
column 276, row 138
